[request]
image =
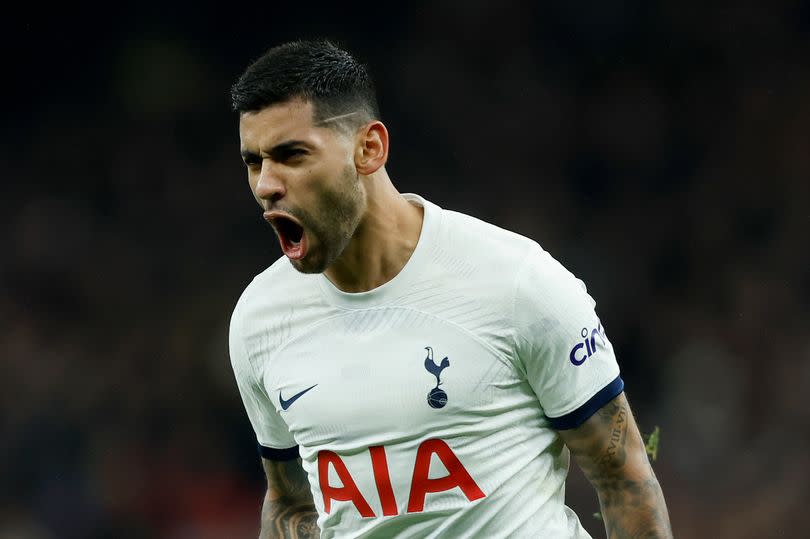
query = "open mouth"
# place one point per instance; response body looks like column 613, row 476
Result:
column 290, row 234
column 290, row 229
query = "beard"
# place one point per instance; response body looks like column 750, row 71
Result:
column 332, row 223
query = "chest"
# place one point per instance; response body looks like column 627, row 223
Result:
column 372, row 377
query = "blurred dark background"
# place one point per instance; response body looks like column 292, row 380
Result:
column 660, row 150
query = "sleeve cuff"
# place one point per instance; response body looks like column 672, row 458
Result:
column 271, row 453
column 576, row 418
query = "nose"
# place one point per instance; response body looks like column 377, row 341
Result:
column 269, row 186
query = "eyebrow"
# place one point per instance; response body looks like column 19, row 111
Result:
column 275, row 151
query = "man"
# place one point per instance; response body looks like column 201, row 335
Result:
column 411, row 371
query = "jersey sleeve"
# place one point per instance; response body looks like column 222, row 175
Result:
column 272, row 434
column 561, row 344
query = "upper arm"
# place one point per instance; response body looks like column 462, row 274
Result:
column 608, row 445
column 271, row 431
column 287, row 482
column 560, row 343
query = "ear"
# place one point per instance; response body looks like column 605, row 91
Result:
column 371, row 148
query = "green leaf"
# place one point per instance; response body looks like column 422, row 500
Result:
column 651, row 443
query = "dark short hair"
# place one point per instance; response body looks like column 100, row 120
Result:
column 316, row 71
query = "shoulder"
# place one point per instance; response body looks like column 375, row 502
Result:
column 479, row 253
column 508, row 263
column 541, row 277
column 483, row 241
column 496, row 255
column 269, row 299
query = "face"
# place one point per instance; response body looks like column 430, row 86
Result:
column 304, row 178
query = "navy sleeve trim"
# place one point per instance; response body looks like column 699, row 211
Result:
column 576, row 418
column 270, row 453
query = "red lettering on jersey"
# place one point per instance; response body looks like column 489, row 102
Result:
column 458, row 475
column 379, row 465
column 348, row 492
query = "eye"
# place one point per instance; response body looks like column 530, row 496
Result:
column 251, row 161
column 292, row 154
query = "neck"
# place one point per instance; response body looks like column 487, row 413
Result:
column 383, row 242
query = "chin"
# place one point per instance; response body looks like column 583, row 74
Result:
column 308, row 265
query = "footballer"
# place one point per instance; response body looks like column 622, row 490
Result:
column 410, row 371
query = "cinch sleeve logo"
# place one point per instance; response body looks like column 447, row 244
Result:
column 585, row 349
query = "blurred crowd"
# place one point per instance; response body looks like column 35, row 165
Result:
column 661, row 152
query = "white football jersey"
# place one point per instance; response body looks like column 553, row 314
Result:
column 428, row 407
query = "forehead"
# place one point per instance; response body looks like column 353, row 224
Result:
column 277, row 123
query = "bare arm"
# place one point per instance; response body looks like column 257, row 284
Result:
column 609, row 449
column 288, row 510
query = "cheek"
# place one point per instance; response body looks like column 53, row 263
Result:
column 312, row 181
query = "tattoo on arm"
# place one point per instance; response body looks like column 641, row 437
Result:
column 288, row 510
column 614, row 417
column 609, row 449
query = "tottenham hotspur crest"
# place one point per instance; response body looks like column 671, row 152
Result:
column 436, row 398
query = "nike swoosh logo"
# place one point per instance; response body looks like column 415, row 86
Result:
column 287, row 403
